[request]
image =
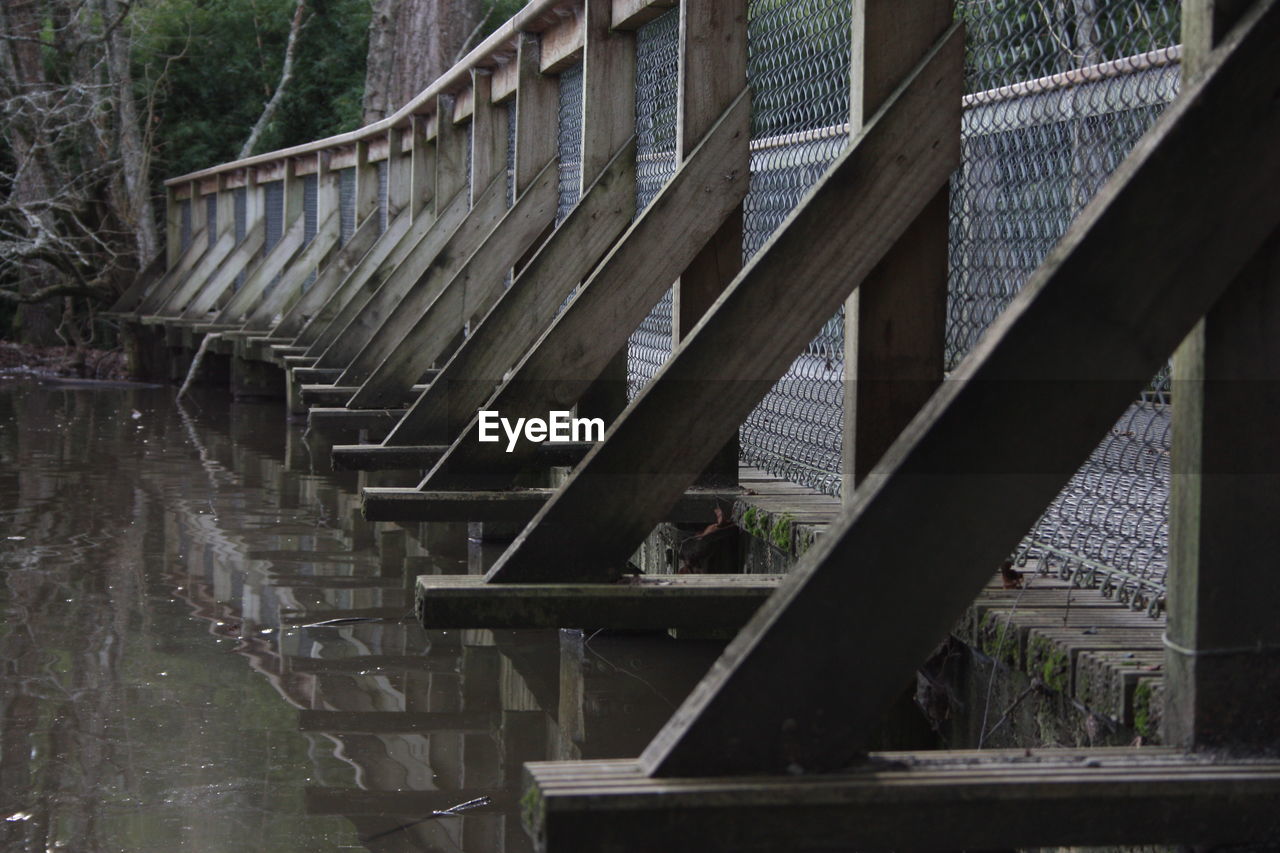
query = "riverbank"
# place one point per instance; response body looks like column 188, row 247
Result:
column 63, row 361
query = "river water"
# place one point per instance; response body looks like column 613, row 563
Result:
column 205, row 648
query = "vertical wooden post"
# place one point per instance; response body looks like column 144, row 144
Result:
column 608, row 120
column 173, row 227
column 293, row 194
column 423, row 168
column 197, row 208
column 451, row 154
column 399, row 171
column 713, row 71
column 895, row 324
column 366, row 184
column 537, row 100
column 1222, row 655
column 488, row 134
column 328, row 188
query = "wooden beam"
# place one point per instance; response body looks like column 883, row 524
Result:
column 187, row 288
column 681, row 419
column 161, row 290
column 895, row 322
column 470, row 293
column 1130, row 278
column 264, row 274
column 632, row 277
column 377, row 295
column 656, row 602
column 537, row 111
column 524, row 310
column 400, row 504
column 713, row 68
column 1223, row 654
column 391, row 457
column 633, row 14
column 288, row 289
column 245, row 253
column 324, row 419
column 989, row 800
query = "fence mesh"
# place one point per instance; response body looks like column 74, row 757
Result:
column 310, row 218
column 1057, row 94
column 211, row 217
column 273, row 214
column 346, row 205
column 657, row 80
column 383, row 188
column 798, row 71
column 240, row 207
column 569, row 141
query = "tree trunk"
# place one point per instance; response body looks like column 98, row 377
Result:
column 411, row 43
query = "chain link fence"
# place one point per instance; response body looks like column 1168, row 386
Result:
column 1057, row 93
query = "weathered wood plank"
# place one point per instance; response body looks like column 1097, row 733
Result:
column 633, row 14
column 327, row 283
column 524, row 310
column 895, row 322
column 148, row 277
column 262, row 275
column 159, row 292
column 470, row 293
column 240, row 259
column 401, row 504
column 649, row 603
column 628, row 282
column 976, row 457
column 326, row 419
column 976, row 801
column 412, row 286
column 695, row 404
column 391, row 457
column 1223, row 657
column 184, row 290
column 312, row 259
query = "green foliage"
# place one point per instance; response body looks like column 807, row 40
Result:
column 213, row 64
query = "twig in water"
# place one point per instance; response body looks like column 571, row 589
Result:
column 452, row 811
column 196, row 362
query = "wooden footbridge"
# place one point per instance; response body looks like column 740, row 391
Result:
column 395, row 280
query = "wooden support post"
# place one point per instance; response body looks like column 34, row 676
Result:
column 451, row 154
column 608, row 120
column 679, row 421
column 422, row 169
column 1223, row 651
column 628, row 282
column 399, row 171
column 537, row 102
column 713, row 69
column 895, row 323
column 978, row 465
column 488, row 134
column 173, row 227
column 366, row 183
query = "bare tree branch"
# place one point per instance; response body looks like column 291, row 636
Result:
column 300, row 21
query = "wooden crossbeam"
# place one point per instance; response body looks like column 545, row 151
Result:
column 570, row 355
column 385, row 503
column 391, row 457
column 158, row 293
column 186, row 288
column 338, row 395
column 976, row 467
column 307, row 261
column 656, row 602
column 523, row 312
column 321, row 325
column 681, row 419
column 242, row 258
column 384, row 322
column 378, row 290
column 925, row 801
column 147, row 278
column 326, row 284
column 326, row 419
column 412, row 345
column 265, row 274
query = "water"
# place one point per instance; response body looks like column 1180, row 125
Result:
column 162, row 691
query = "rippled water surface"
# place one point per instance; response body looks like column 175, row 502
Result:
column 205, row 648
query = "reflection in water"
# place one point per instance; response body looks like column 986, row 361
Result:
column 149, row 552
